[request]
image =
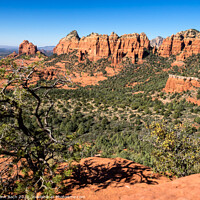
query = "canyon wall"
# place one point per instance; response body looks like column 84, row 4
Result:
column 97, row 46
column 183, row 44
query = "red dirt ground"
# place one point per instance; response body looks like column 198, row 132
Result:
column 121, row 179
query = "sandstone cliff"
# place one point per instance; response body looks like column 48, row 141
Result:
column 27, row 48
column 181, row 83
column 97, row 46
column 183, row 44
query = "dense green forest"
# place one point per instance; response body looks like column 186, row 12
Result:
column 111, row 118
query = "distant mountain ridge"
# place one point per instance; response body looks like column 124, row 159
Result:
column 156, row 42
column 7, row 47
column 7, row 50
column 47, row 48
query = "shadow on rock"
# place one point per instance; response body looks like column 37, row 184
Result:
column 102, row 172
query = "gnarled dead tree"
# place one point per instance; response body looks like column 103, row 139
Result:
column 29, row 148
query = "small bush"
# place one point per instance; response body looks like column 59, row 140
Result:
column 175, row 151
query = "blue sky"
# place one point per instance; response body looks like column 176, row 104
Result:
column 45, row 22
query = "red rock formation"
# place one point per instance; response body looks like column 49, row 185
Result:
column 178, row 63
column 67, row 44
column 95, row 45
column 194, row 100
column 101, row 46
column 132, row 46
column 13, row 55
column 183, row 44
column 155, row 49
column 185, row 188
column 181, row 83
column 27, row 48
column 113, row 38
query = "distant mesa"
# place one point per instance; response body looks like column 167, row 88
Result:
column 156, row 42
column 97, row 46
column 183, row 44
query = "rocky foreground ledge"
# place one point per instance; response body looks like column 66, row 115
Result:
column 120, row 179
column 96, row 178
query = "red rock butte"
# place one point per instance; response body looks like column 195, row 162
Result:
column 98, row 46
column 27, row 48
column 183, row 44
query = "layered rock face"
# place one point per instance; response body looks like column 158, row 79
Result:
column 102, row 46
column 27, row 48
column 183, row 44
column 181, row 83
column 156, row 42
